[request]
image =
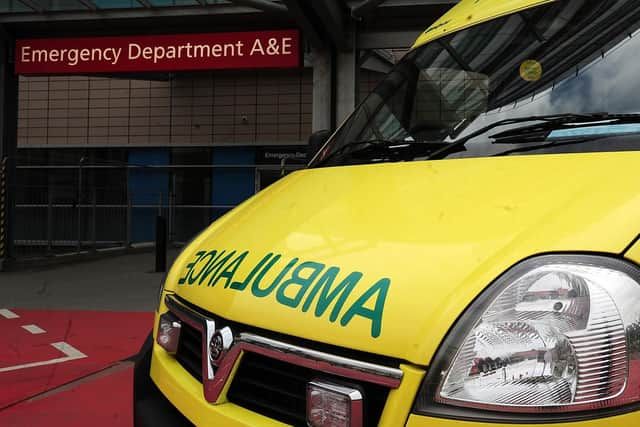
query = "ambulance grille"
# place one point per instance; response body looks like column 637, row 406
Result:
column 189, row 353
column 277, row 389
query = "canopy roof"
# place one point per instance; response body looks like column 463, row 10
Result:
column 324, row 23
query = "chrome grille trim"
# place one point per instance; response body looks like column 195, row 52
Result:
column 214, row 383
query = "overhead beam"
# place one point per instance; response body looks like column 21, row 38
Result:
column 389, row 39
column 362, row 10
column 134, row 13
column 32, row 5
column 321, row 21
column 332, row 17
column 89, row 4
column 301, row 13
column 145, row 3
column 263, row 5
column 402, row 3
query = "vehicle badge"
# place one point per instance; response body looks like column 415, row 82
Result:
column 219, row 345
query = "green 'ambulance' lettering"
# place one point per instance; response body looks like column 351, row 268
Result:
column 308, row 286
column 375, row 315
column 240, row 286
column 297, row 280
column 190, row 266
column 255, row 286
column 327, row 295
column 204, row 260
column 261, row 293
column 230, row 270
column 214, row 266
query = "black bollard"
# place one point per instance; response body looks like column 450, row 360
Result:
column 161, row 244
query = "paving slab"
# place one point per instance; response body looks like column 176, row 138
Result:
column 104, row 400
column 117, row 283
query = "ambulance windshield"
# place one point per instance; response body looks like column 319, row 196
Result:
column 576, row 59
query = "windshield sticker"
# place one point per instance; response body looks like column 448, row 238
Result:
column 596, row 130
column 308, row 286
column 531, row 70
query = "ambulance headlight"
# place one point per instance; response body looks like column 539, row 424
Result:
column 554, row 335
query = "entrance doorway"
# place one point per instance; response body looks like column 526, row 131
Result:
column 266, row 177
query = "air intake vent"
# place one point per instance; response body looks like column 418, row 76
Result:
column 277, row 389
column 189, row 353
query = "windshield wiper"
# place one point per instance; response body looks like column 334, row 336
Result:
column 558, row 143
column 536, row 132
column 397, row 149
column 541, row 131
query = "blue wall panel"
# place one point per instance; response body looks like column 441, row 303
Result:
column 232, row 186
column 146, row 187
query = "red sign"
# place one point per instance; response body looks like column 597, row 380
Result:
column 212, row 51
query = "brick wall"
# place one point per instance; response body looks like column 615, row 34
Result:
column 271, row 107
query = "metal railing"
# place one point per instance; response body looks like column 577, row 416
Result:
column 80, row 216
column 47, row 225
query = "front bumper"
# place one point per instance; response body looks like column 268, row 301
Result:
column 627, row 420
column 167, row 392
column 175, row 398
column 175, row 389
column 186, row 394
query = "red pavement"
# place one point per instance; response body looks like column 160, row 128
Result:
column 102, row 402
column 104, row 337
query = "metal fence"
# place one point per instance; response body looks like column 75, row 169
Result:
column 48, row 222
column 83, row 216
column 65, row 219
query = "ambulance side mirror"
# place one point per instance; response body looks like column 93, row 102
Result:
column 316, row 141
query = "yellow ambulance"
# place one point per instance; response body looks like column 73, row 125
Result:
column 463, row 251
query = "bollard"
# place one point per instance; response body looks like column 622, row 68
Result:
column 128, row 223
column 161, row 244
column 79, row 215
column 50, row 223
column 94, row 213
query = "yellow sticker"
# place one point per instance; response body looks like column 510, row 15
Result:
column 531, row 70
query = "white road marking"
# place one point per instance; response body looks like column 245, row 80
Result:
column 69, row 350
column 8, row 314
column 71, row 354
column 34, row 329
